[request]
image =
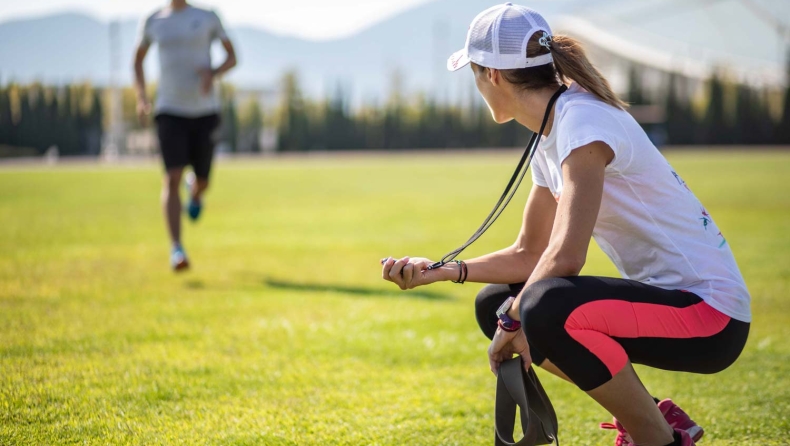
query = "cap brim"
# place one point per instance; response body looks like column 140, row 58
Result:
column 458, row 60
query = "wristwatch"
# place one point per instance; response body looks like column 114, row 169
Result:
column 505, row 322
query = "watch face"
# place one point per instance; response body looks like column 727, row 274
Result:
column 505, row 307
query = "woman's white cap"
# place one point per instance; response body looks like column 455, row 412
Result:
column 498, row 38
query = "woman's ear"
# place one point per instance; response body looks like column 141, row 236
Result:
column 494, row 76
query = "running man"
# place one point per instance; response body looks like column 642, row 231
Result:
column 187, row 104
column 682, row 304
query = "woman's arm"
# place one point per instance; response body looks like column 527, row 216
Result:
column 513, row 264
column 577, row 211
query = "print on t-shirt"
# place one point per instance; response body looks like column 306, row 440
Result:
column 680, row 181
column 706, row 219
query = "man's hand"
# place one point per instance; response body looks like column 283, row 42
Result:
column 143, row 106
column 206, row 81
column 505, row 345
column 143, row 111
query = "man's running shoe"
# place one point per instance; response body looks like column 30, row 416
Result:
column 190, row 181
column 178, row 259
column 193, row 209
column 675, row 416
column 195, row 205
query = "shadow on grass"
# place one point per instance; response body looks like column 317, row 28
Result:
column 194, row 284
column 354, row 290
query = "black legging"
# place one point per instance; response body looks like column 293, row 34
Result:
column 590, row 326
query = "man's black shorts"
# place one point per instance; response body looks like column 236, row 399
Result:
column 187, row 141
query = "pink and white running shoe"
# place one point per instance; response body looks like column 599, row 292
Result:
column 675, row 416
column 622, row 439
column 678, row 419
column 685, row 439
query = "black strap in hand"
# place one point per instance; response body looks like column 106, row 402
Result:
column 519, row 388
column 510, row 190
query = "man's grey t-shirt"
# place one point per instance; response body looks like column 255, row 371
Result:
column 184, row 38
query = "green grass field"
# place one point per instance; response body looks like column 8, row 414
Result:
column 283, row 332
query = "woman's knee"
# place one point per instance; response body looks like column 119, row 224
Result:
column 487, row 295
column 543, row 308
column 488, row 300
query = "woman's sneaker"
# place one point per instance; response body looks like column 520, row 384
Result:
column 675, row 416
column 678, row 419
column 178, row 259
column 622, row 439
column 685, row 439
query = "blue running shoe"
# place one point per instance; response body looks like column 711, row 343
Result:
column 178, row 259
column 194, row 206
column 193, row 209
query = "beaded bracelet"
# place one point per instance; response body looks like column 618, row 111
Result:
column 462, row 272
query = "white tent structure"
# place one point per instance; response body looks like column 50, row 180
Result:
column 746, row 40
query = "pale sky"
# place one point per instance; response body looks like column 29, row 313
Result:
column 311, row 19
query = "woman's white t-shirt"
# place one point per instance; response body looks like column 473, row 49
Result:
column 650, row 223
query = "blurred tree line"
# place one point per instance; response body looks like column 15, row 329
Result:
column 714, row 112
column 400, row 123
column 72, row 117
column 36, row 117
column 729, row 113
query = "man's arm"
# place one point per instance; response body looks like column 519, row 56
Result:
column 208, row 75
column 143, row 106
column 577, row 212
column 230, row 60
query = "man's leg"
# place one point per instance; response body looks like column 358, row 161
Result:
column 201, row 156
column 171, row 203
column 201, row 184
column 174, row 144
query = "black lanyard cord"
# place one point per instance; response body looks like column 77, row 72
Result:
column 510, row 190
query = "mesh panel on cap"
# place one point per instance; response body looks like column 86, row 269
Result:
column 481, row 36
column 512, row 29
column 540, row 23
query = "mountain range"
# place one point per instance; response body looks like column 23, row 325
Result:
column 416, row 43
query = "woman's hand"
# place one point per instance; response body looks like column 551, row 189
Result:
column 410, row 273
column 504, row 345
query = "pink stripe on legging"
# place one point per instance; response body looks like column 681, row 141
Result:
column 594, row 324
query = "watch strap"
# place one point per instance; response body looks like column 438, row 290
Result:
column 513, row 326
